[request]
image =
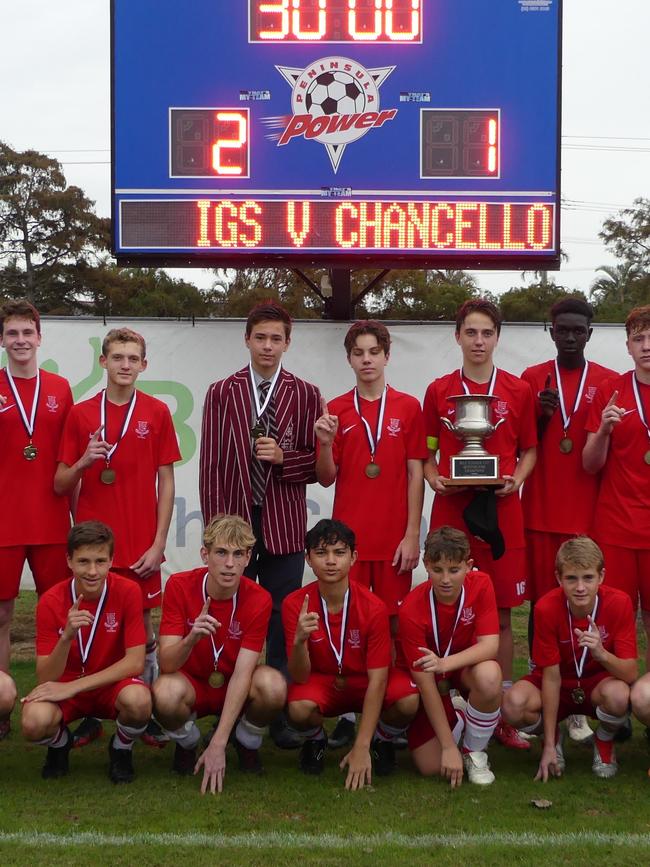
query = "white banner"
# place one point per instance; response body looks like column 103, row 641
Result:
column 184, row 359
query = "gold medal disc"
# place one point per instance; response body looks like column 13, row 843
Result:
column 257, row 431
column 566, row 445
column 30, row 452
column 444, row 686
column 107, row 476
column 578, row 695
column 216, row 680
column 340, row 682
column 646, row 457
column 372, row 470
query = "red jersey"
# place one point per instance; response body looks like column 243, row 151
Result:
column 515, row 405
column 34, row 514
column 119, row 626
column 243, row 625
column 479, row 616
column 553, row 643
column 367, row 633
column 544, row 497
column 622, row 515
column 129, row 506
column 376, row 509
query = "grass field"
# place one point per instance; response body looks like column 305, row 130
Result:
column 285, row 817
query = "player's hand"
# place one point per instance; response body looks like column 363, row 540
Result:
column 97, row 449
column 407, row 553
column 76, row 619
column 590, row 638
column 549, row 398
column 442, row 490
column 213, row 762
column 52, row 691
column 548, row 766
column 150, row 561
column 451, row 765
column 429, row 662
column 511, row 486
column 307, row 622
column 326, row 426
column 359, row 765
column 203, row 625
column 3, row 399
column 266, row 449
column 611, row 415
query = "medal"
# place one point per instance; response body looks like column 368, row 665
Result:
column 84, row 649
column 639, row 406
column 646, row 457
column 444, row 686
column 30, row 451
column 372, row 470
column 107, row 476
column 258, row 430
column 578, row 695
column 340, row 681
column 216, row 680
column 566, row 443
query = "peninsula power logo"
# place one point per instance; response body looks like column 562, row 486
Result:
column 335, row 101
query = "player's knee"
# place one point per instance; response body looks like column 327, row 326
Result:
column 640, row 699
column 514, row 705
column 300, row 713
column 35, row 722
column 168, row 694
column 269, row 687
column 426, row 761
column 7, row 694
column 134, row 702
column 615, row 697
column 487, row 679
column 406, row 707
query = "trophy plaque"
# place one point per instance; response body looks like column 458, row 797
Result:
column 473, row 465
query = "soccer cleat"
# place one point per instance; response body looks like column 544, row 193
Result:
column 283, row 736
column 249, row 760
column 154, row 736
column 383, row 757
column 120, row 764
column 56, row 762
column 624, row 733
column 604, row 764
column 343, row 735
column 478, row 768
column 510, row 737
column 5, row 728
column 184, row 761
column 89, row 729
column 312, row 757
column 579, row 729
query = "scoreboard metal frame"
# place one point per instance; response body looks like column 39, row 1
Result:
column 425, row 135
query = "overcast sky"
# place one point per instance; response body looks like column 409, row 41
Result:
column 55, row 74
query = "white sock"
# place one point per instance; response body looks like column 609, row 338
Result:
column 609, row 725
column 317, row 733
column 187, row 736
column 125, row 735
column 248, row 734
column 535, row 728
column 59, row 738
column 384, row 732
column 506, row 684
column 479, row 728
column 151, row 668
column 350, row 717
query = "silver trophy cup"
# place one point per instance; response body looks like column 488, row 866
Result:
column 473, row 465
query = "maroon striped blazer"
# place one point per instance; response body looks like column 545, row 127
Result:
column 226, row 448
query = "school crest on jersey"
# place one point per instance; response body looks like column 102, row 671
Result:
column 604, row 634
column 142, row 430
column 110, row 623
column 590, row 393
column 234, row 630
column 51, row 404
column 394, row 427
column 501, row 408
column 467, row 616
column 354, row 639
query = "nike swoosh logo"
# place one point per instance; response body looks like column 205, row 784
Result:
column 316, row 640
column 5, row 408
column 349, row 427
column 151, row 595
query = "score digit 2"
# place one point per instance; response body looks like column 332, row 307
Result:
column 209, row 143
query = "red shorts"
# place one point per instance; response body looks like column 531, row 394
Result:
column 384, row 580
column 151, row 587
column 421, row 730
column 47, row 562
column 99, row 703
column 209, row 700
column 628, row 569
column 567, row 705
column 508, row 574
column 541, row 549
column 332, row 701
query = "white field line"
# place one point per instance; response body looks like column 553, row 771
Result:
column 280, row 840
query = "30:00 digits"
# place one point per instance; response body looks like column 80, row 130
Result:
column 335, row 21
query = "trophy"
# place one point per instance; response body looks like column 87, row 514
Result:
column 473, row 465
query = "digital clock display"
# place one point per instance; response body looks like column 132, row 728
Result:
column 351, row 133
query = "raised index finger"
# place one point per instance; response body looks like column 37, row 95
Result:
column 78, row 601
column 612, row 399
column 98, row 432
column 323, row 406
column 305, row 604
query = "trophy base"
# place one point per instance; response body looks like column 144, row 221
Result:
column 473, row 482
column 475, row 470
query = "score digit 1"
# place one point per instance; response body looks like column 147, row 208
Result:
column 230, row 150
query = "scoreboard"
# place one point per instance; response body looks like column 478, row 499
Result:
column 345, row 133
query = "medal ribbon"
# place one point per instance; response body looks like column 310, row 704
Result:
column 493, row 380
column 338, row 654
column 579, row 666
column 125, row 426
column 259, row 409
column 373, row 441
column 639, row 403
column 84, row 649
column 566, row 419
column 217, row 652
column 28, row 424
column 434, row 621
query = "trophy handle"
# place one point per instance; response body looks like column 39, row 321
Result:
column 501, row 421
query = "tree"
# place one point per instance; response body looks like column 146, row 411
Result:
column 47, row 229
column 615, row 284
column 533, row 303
column 628, row 234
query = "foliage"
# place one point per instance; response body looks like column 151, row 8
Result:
column 628, row 234
column 532, row 303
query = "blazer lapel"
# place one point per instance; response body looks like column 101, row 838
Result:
column 239, row 423
column 284, row 400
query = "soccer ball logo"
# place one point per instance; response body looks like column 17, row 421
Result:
column 334, row 93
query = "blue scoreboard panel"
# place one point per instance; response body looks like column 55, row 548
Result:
column 351, row 133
